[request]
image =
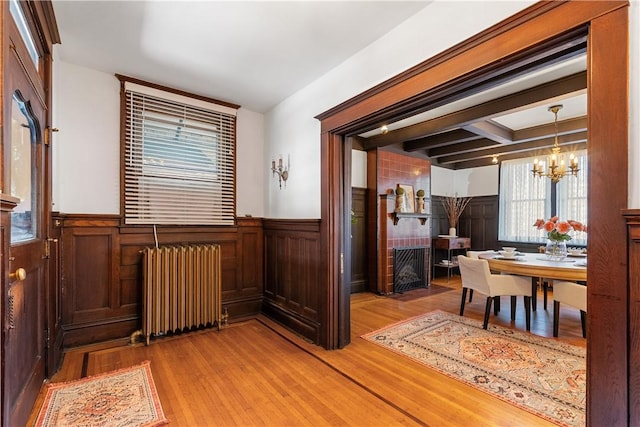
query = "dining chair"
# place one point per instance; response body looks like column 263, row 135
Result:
column 476, row 276
column 573, row 294
column 477, row 255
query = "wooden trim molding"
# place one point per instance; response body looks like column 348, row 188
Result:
column 607, row 23
column 632, row 217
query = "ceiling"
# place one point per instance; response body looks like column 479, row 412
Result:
column 258, row 53
column 251, row 53
column 501, row 118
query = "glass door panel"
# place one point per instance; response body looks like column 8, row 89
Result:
column 23, row 224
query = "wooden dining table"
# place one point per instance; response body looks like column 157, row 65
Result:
column 572, row 269
column 540, row 269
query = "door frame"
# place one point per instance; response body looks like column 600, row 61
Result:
column 608, row 389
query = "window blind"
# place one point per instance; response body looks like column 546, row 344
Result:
column 179, row 160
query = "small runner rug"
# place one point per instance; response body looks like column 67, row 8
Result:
column 540, row 375
column 126, row 397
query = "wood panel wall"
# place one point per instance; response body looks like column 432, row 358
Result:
column 293, row 295
column 479, row 221
column 632, row 217
column 359, row 263
column 100, row 275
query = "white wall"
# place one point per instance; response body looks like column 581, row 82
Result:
column 474, row 182
column 86, row 150
column 359, row 169
column 86, row 110
column 634, row 107
column 250, row 164
column 291, row 126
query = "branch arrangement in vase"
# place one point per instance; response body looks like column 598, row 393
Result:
column 453, row 206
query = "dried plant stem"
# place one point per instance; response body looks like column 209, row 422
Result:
column 454, row 206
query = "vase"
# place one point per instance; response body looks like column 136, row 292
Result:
column 452, row 231
column 556, row 250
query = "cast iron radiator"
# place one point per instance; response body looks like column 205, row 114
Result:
column 181, row 288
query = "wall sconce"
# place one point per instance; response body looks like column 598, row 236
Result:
column 281, row 171
column 494, row 159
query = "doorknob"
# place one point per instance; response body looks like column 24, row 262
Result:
column 20, row 274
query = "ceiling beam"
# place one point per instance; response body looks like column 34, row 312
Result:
column 491, row 130
column 440, row 139
column 516, row 148
column 575, row 125
column 465, row 147
column 487, row 161
column 573, row 84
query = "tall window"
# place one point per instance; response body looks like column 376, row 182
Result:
column 524, row 198
column 179, row 159
column 572, row 198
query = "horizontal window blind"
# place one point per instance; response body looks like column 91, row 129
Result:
column 179, row 162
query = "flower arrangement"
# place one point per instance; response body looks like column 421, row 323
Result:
column 558, row 231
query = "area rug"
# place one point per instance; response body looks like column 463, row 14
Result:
column 540, row 375
column 126, row 397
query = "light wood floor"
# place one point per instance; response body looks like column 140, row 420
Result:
column 258, row 373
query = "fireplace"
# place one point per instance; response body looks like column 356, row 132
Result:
column 409, row 270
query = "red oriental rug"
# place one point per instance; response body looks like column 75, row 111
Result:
column 126, row 397
column 541, row 375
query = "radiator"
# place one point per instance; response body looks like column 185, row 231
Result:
column 181, row 288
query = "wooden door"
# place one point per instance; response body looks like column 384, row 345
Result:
column 359, row 281
column 25, row 178
column 24, row 333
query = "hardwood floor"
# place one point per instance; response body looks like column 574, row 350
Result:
column 258, row 373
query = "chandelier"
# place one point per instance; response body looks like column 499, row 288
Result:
column 557, row 167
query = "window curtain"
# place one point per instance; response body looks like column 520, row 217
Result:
column 523, row 199
column 571, row 201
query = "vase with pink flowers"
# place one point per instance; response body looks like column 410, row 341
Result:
column 558, row 235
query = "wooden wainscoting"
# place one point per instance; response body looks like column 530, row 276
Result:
column 100, row 274
column 292, row 291
column 632, row 217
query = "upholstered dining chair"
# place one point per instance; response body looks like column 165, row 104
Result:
column 476, row 275
column 477, row 255
column 572, row 294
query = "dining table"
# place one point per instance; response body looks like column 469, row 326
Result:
column 571, row 268
column 540, row 268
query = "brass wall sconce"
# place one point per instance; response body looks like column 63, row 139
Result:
column 281, row 170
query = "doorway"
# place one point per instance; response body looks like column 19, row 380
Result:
column 607, row 147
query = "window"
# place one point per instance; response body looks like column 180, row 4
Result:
column 525, row 198
column 25, row 33
column 179, row 159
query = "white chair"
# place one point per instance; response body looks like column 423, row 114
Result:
column 572, row 294
column 476, row 275
column 477, row 254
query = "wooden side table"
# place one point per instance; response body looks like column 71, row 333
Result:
column 445, row 251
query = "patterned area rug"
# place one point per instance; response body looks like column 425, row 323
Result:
column 540, row 375
column 126, row 397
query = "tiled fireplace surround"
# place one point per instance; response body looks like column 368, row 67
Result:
column 393, row 169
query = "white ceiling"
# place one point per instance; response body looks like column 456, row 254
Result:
column 252, row 53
